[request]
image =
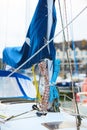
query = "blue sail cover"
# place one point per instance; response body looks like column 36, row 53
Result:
column 40, row 31
column 16, row 86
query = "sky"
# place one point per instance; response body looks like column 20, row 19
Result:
column 15, row 17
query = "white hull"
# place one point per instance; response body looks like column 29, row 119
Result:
column 30, row 121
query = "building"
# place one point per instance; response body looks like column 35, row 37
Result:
column 77, row 54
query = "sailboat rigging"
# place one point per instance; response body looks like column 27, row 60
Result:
column 48, row 42
column 78, row 118
column 38, row 46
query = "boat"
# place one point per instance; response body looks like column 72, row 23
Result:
column 38, row 47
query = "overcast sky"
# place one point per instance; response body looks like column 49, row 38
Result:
column 15, row 16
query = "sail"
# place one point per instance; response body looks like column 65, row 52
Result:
column 41, row 30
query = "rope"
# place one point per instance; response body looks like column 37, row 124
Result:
column 78, row 118
column 63, row 35
column 45, row 97
column 69, row 62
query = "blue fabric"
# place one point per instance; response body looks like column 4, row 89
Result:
column 53, row 94
column 56, row 70
column 4, row 73
column 53, row 90
column 37, row 32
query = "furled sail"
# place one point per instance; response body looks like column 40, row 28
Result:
column 37, row 36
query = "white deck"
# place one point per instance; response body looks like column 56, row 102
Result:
column 31, row 121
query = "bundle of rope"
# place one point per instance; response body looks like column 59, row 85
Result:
column 45, row 97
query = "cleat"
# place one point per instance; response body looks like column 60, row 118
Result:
column 41, row 114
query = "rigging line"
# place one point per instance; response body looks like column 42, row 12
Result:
column 63, row 34
column 70, row 23
column 48, row 42
column 34, row 107
column 63, row 27
column 69, row 60
column 68, row 47
column 78, row 118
